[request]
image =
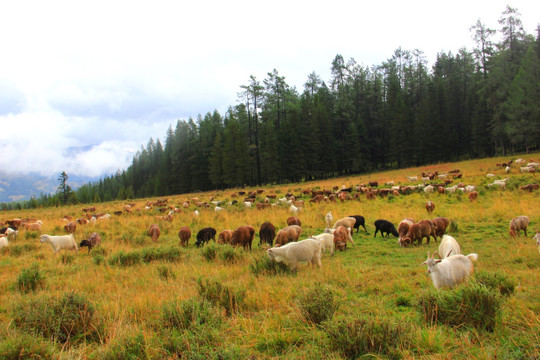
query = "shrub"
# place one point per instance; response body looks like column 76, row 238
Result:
column 229, row 255
column 209, row 252
column 170, row 254
column 189, row 314
column 23, row 346
column 222, row 295
column 471, row 305
column 496, row 281
column 367, row 335
column 18, row 250
column 130, row 347
column 125, row 259
column 62, row 319
column 318, row 304
column 30, row 279
column 32, row 234
column 165, row 273
column 265, row 266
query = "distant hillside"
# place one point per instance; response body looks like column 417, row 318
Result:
column 16, row 187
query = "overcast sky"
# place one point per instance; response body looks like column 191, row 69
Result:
column 83, row 84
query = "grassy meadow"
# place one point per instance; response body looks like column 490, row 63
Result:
column 135, row 299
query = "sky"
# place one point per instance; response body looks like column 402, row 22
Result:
column 84, row 84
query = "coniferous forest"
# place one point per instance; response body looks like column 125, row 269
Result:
column 400, row 113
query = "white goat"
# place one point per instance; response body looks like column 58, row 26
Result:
column 526, row 169
column 247, row 204
column 308, row 250
column 327, row 242
column 218, row 209
column 429, row 189
column 11, row 234
column 412, row 178
column 294, row 210
column 449, row 246
column 4, row 242
column 537, row 238
column 507, row 169
column 60, row 242
column 450, row 271
column 470, row 188
column 451, row 189
column 329, row 219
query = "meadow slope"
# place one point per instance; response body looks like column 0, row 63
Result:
column 160, row 301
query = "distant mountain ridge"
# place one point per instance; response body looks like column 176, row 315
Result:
column 18, row 187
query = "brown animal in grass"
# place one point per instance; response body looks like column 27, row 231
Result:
column 473, row 195
column 33, row 226
column 267, row 233
column 293, row 220
column 430, row 206
column 441, row 223
column 517, row 224
column 93, row 241
column 154, row 232
column 417, row 232
column 317, row 199
column 225, row 237
column 184, row 234
column 529, row 187
column 288, row 234
column 341, row 237
column 403, row 229
column 70, row 227
column 243, row 236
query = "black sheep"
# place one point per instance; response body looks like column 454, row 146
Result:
column 204, row 235
column 385, row 226
column 359, row 221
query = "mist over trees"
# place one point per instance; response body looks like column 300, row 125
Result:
column 470, row 104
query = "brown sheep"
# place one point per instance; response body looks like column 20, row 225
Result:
column 430, row 206
column 70, row 227
column 403, row 229
column 473, row 195
column 267, row 233
column 93, row 241
column 225, row 237
column 32, row 226
column 243, row 236
column 420, row 230
column 529, row 187
column 184, row 234
column 441, row 223
column 154, row 232
column 293, row 220
column 341, row 236
column 518, row 224
column 288, row 234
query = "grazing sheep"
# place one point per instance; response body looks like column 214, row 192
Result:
column 327, row 242
column 218, row 209
column 412, row 178
column 403, row 229
column 517, row 224
column 4, row 241
column 70, row 227
column 360, row 221
column 417, row 232
column 204, row 235
column 93, row 241
column 342, row 236
column 450, row 271
column 294, row 210
column 529, row 187
column 507, row 169
column 154, row 232
column 429, row 189
column 60, row 242
column 33, row 226
column 346, row 222
column 537, row 238
column 470, row 188
column 288, row 234
column 11, row 232
column 473, row 195
column 385, row 226
column 490, row 175
column 184, row 234
column 441, row 223
column 449, row 246
column 243, row 235
column 224, row 237
column 293, row 220
column 329, row 219
column 308, row 250
column 430, row 206
column 267, row 233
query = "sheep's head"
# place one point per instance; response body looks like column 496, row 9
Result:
column 43, row 238
column 270, row 254
column 512, row 233
column 431, row 262
column 341, row 246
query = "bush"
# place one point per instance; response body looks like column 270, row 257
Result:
column 209, row 252
column 189, row 315
column 18, row 250
column 32, row 234
column 471, row 305
column 222, row 295
column 318, row 304
column 125, row 259
column 496, row 281
column 65, row 319
column 130, row 347
column 366, row 335
column 265, row 266
column 30, row 279
column 165, row 273
column 169, row 254
column 229, row 255
column 23, row 346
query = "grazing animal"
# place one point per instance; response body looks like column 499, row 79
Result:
column 294, row 210
column 329, row 219
column 537, row 238
column 308, row 250
column 473, row 195
column 243, row 235
column 267, row 233
column 218, row 209
column 360, row 221
column 288, row 234
column 93, row 241
column 11, row 232
column 204, row 235
column 529, row 187
column 293, row 220
column 224, row 237
column 450, row 271
column 449, row 246
column 430, row 206
column 154, row 232
column 3, row 241
column 70, row 227
column 346, row 222
column 441, row 223
column 33, row 226
column 517, row 224
column 403, row 229
column 412, row 178
column 60, row 242
column 342, row 236
column 417, row 232
column 385, row 226
column 184, row 234
column 429, row 189
column 327, row 242
column 507, row 169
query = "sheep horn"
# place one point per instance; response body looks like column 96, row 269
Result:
column 436, row 253
column 447, row 255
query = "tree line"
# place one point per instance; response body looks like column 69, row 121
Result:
column 397, row 114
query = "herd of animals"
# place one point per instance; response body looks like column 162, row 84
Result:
column 284, row 245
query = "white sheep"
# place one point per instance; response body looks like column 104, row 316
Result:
column 526, row 169
column 329, row 219
column 449, row 246
column 533, row 165
column 412, row 178
column 470, row 188
column 507, row 169
column 196, row 213
column 490, row 175
column 294, row 210
column 327, row 242
column 537, row 238
column 451, row 189
column 450, row 271
column 517, row 224
column 308, row 250
column 4, row 241
column 425, row 179
column 218, row 209
column 11, row 234
column 247, row 204
column 60, row 242
column 429, row 189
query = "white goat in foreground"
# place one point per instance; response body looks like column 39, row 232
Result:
column 308, row 250
column 450, row 271
column 4, row 241
column 59, row 242
column 327, row 242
